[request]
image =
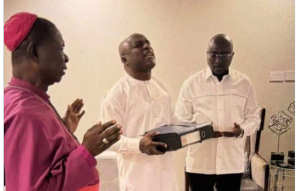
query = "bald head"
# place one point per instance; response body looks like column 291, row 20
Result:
column 221, row 40
column 137, row 56
column 42, row 31
column 220, row 54
column 124, row 46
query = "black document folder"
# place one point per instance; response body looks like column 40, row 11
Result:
column 179, row 135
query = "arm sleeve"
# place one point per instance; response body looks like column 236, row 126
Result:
column 251, row 113
column 112, row 109
column 173, row 117
column 184, row 107
column 36, row 160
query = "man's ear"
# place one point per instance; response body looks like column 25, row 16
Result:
column 124, row 60
column 32, row 52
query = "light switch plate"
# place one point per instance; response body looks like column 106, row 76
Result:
column 290, row 76
column 277, row 76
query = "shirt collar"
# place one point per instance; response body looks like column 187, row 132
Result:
column 135, row 81
column 20, row 83
column 208, row 73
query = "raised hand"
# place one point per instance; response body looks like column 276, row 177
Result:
column 100, row 137
column 149, row 147
column 73, row 115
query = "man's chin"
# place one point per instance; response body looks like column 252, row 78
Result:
column 151, row 65
column 58, row 80
column 219, row 72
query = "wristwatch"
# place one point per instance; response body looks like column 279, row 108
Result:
column 241, row 134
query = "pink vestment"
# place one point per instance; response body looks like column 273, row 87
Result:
column 39, row 151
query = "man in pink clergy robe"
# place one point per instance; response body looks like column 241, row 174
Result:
column 40, row 150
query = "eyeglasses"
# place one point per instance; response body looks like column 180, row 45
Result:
column 223, row 56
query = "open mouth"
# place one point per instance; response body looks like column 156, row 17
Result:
column 149, row 54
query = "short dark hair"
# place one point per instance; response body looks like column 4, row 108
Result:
column 42, row 30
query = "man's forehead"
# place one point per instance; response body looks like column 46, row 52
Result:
column 57, row 36
column 129, row 42
column 60, row 37
column 222, row 46
column 136, row 37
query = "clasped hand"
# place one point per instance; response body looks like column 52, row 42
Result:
column 100, row 137
column 234, row 133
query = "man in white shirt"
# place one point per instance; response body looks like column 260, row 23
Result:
column 140, row 102
column 226, row 98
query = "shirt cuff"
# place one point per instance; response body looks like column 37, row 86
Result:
column 134, row 144
column 246, row 128
column 90, row 159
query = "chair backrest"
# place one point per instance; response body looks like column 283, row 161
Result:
column 254, row 147
column 253, row 141
column 261, row 128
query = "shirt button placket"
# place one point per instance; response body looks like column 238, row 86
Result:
column 219, row 104
column 221, row 123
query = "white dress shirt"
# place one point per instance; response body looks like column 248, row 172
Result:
column 204, row 99
column 140, row 106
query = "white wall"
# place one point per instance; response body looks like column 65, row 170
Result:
column 263, row 33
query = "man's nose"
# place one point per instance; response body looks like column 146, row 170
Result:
column 146, row 45
column 66, row 58
column 218, row 59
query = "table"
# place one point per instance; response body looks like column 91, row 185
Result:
column 108, row 168
column 281, row 178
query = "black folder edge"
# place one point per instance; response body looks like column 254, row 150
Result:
column 205, row 126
